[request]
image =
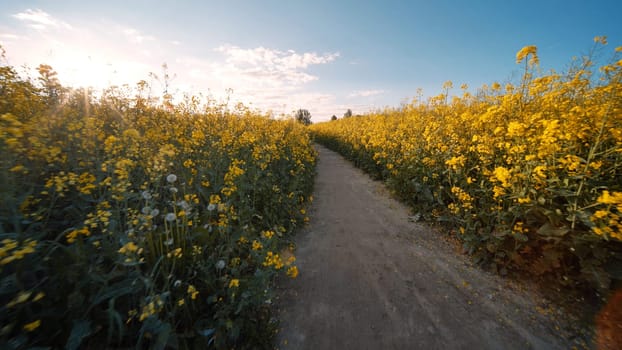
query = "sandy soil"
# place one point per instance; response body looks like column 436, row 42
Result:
column 370, row 278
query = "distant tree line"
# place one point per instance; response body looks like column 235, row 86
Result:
column 304, row 116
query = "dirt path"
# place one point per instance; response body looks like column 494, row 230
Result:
column 370, row 279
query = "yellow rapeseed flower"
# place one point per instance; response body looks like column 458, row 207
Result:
column 29, row 327
column 268, row 234
column 527, row 51
column 129, row 247
column 193, row 292
column 292, row 271
column 502, row 175
column 257, row 245
column 20, row 298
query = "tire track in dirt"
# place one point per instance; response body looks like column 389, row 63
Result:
column 370, row 279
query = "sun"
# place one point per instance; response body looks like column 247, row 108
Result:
column 82, row 69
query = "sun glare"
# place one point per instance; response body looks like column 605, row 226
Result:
column 79, row 69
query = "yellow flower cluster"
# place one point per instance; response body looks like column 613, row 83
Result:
column 273, row 259
column 84, row 183
column 120, row 191
column 536, row 152
column 74, row 234
column 234, row 283
column 608, row 221
column 292, row 271
column 23, row 297
column 153, row 307
column 193, row 292
column 12, row 250
column 267, row 234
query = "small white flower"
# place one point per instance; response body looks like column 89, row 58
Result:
column 171, row 178
column 211, row 206
column 146, row 195
column 220, row 264
column 170, row 217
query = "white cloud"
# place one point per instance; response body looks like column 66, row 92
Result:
column 366, row 93
column 135, row 36
column 270, row 66
column 102, row 53
column 265, row 78
column 39, row 19
column 7, row 36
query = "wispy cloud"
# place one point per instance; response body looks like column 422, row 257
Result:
column 40, row 20
column 366, row 93
column 7, row 36
column 267, row 78
column 102, row 53
column 271, row 66
column 135, row 36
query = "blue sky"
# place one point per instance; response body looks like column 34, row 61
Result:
column 325, row 56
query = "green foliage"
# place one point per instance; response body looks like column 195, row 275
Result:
column 303, row 116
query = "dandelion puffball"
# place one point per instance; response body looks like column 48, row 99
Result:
column 171, row 178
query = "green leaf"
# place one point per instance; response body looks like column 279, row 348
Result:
column 114, row 319
column 164, row 332
column 549, row 230
column 206, row 332
column 80, row 330
column 521, row 237
column 614, row 268
column 116, row 290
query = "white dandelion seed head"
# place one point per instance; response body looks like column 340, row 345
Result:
column 220, row 264
column 177, row 284
column 211, row 206
column 146, row 195
column 170, row 217
column 146, row 210
column 168, row 242
column 171, row 178
column 173, row 189
column 184, row 205
column 155, row 213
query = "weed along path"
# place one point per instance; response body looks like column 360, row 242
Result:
column 371, row 279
